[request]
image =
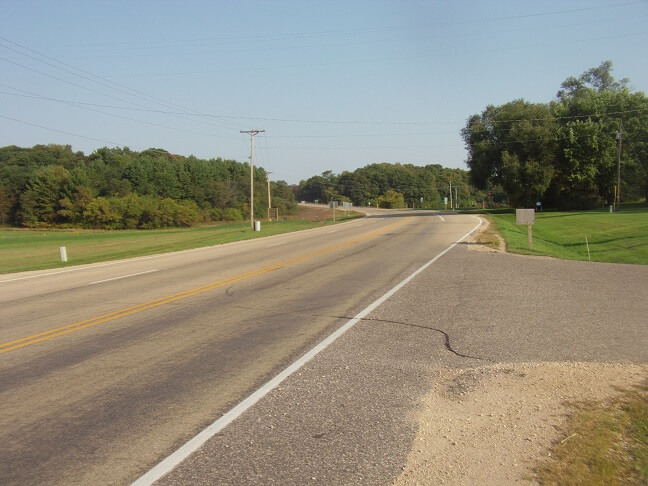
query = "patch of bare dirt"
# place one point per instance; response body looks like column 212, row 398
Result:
column 486, row 239
column 320, row 212
column 312, row 212
column 494, row 424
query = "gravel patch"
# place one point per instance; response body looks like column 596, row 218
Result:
column 494, row 424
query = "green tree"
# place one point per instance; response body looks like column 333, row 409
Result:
column 100, row 214
column 592, row 109
column 391, row 200
column 39, row 203
column 319, row 188
column 513, row 145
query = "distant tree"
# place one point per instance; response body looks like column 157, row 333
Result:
column 39, row 203
column 316, row 187
column 100, row 214
column 5, row 206
column 598, row 79
column 391, row 200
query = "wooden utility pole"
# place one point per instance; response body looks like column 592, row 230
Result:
column 618, row 191
column 269, row 197
column 252, row 134
column 451, row 195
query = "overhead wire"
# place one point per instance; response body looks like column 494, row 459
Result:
column 90, row 89
column 348, row 44
column 330, row 33
column 80, row 105
column 469, row 129
column 70, row 133
column 104, row 82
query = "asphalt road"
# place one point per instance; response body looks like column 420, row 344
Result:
column 106, row 369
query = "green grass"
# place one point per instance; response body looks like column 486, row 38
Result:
column 22, row 250
column 603, row 444
column 613, row 237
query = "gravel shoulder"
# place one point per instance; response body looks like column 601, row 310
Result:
column 494, row 424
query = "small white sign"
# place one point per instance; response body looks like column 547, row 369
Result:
column 524, row 216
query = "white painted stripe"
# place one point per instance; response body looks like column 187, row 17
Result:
column 123, row 276
column 173, row 460
column 277, row 244
column 442, row 218
column 76, row 269
column 90, row 266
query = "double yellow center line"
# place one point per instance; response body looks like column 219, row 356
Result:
column 111, row 316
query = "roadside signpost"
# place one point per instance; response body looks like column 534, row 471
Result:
column 347, row 207
column 526, row 216
column 333, row 205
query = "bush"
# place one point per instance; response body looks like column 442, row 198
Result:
column 232, row 214
column 187, row 213
column 100, row 214
column 391, row 200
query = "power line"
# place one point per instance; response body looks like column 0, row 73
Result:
column 368, row 61
column 120, row 88
column 348, row 44
column 99, row 92
column 80, row 105
column 343, row 32
column 69, row 133
column 472, row 130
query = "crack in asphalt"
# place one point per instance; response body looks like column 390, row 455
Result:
column 446, row 336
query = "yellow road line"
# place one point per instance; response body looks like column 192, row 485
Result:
column 94, row 321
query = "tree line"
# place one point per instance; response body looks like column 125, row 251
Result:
column 396, row 186
column 116, row 188
column 564, row 153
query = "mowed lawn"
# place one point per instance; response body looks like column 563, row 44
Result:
column 620, row 237
column 22, row 249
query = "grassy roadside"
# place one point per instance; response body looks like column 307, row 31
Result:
column 612, row 237
column 23, row 250
column 603, row 444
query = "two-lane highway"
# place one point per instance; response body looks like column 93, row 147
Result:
column 106, row 369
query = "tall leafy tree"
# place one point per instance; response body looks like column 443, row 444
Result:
column 513, row 145
column 564, row 152
column 592, row 110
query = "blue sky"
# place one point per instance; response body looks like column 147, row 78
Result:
column 336, row 84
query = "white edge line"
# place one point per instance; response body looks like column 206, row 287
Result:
column 442, row 218
column 174, row 459
column 89, row 266
column 277, row 244
column 123, row 276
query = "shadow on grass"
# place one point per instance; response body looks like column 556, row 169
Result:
column 600, row 242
